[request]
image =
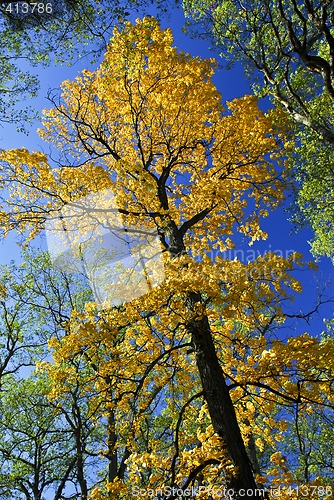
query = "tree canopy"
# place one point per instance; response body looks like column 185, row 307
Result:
column 187, row 384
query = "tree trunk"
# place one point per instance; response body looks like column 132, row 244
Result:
column 220, row 405
column 216, row 393
column 79, row 443
column 112, row 451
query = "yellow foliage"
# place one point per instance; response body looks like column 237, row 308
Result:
column 150, row 126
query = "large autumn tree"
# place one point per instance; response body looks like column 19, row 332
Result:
column 189, row 377
column 287, row 49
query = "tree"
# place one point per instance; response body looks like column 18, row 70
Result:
column 149, row 130
column 73, row 426
column 53, row 32
column 47, row 450
column 19, row 348
column 36, row 452
column 313, row 167
column 287, row 48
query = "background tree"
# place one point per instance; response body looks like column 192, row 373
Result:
column 47, row 449
column 53, row 32
column 20, row 346
column 287, row 48
column 36, row 453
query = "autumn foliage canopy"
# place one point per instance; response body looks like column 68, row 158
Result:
column 188, row 385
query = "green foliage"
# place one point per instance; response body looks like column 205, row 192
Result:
column 74, row 29
column 314, row 167
column 45, row 447
column 311, row 436
column 287, row 48
column 35, row 450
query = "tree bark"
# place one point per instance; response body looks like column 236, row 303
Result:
column 215, row 390
column 220, row 405
column 112, row 451
column 79, row 444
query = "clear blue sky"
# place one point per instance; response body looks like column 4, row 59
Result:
column 231, row 84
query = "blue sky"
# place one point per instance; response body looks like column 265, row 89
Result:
column 231, row 84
